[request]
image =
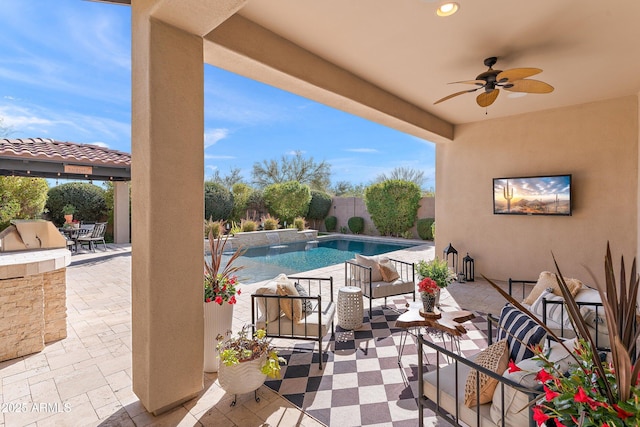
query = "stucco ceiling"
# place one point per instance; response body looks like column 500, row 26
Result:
column 589, row 49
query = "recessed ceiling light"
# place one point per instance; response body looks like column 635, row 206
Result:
column 447, row 9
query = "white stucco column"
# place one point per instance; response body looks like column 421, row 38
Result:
column 167, row 211
column 121, row 212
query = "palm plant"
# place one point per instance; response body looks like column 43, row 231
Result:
column 219, row 282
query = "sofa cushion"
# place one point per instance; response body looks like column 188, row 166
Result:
column 514, row 400
column 494, row 358
column 307, row 305
column 269, row 307
column 388, row 271
column 308, row 325
column 548, row 280
column 292, row 307
column 385, row 289
column 372, row 262
column 520, row 332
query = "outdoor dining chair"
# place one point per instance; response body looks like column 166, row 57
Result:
column 96, row 235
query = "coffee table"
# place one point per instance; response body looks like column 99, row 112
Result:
column 449, row 322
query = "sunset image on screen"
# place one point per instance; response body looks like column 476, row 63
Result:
column 549, row 195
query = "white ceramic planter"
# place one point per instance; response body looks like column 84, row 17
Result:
column 217, row 321
column 242, row 378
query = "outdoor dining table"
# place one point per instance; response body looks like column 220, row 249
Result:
column 73, row 233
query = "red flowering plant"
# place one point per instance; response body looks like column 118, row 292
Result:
column 221, row 285
column 428, row 286
column 596, row 391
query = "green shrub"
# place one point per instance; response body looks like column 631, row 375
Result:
column 248, row 225
column 356, row 224
column 235, row 228
column 433, row 230
column 393, row 205
column 21, row 198
column 319, row 206
column 300, row 223
column 330, row 223
column 407, row 235
column 270, row 223
column 88, row 199
column 216, row 228
column 241, row 195
column 287, row 200
column 424, row 227
column 344, row 229
column 218, row 201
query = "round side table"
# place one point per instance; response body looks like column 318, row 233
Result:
column 350, row 307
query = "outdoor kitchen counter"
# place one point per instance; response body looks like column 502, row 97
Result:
column 27, row 263
column 33, row 300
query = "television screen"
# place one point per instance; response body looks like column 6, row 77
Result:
column 534, row 195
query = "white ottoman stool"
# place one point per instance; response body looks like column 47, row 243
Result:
column 350, row 307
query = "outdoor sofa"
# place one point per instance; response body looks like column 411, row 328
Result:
column 299, row 308
column 380, row 277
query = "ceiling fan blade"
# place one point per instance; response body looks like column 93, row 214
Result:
column 517, row 74
column 471, row 82
column 454, row 94
column 529, row 86
column 486, row 98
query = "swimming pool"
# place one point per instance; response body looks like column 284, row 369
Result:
column 266, row 262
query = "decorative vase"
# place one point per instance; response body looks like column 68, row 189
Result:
column 428, row 302
column 68, row 218
column 217, row 321
column 242, row 378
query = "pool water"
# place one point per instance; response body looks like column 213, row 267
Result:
column 266, row 262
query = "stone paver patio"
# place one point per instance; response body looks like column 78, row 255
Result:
column 85, row 379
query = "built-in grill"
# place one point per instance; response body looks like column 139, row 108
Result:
column 33, row 312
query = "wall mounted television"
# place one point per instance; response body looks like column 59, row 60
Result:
column 532, row 195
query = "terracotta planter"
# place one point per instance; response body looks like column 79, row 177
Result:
column 68, row 218
column 217, row 321
column 242, row 378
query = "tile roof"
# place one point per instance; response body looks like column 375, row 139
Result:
column 45, row 149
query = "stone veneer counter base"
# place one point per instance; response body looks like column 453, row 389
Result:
column 33, row 308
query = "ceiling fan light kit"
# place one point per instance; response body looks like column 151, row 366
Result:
column 513, row 80
column 447, row 9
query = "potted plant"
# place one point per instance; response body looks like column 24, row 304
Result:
column 428, row 289
column 246, row 361
column 220, row 290
column 437, row 270
column 594, row 392
column 68, row 210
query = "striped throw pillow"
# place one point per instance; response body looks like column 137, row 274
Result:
column 520, row 332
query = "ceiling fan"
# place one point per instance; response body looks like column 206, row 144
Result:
column 513, row 80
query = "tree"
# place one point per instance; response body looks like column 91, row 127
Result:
column 404, row 174
column 393, row 205
column 346, row 189
column 319, row 206
column 88, row 199
column 296, row 168
column 287, row 200
column 21, row 198
column 228, row 181
column 218, row 201
column 241, row 194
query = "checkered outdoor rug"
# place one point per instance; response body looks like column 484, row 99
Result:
column 361, row 383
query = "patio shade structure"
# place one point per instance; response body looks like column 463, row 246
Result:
column 387, row 62
column 47, row 158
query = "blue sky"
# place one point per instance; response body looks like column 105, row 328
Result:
column 65, row 74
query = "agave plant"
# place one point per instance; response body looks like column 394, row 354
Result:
column 597, row 393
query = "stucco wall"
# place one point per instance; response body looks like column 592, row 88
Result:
column 344, row 208
column 597, row 143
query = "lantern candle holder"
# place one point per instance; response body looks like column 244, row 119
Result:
column 468, row 268
column 450, row 250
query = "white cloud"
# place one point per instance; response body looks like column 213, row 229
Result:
column 99, row 144
column 214, row 135
column 294, row 152
column 361, row 150
column 215, row 157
